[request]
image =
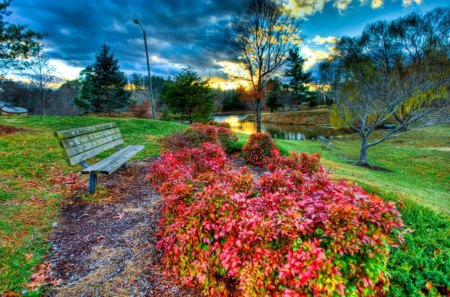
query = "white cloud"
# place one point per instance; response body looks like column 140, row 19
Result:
column 303, row 8
column 342, row 5
column 313, row 56
column 322, row 40
column 376, row 4
column 65, row 71
column 409, row 2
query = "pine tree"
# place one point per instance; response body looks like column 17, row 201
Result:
column 188, row 96
column 103, row 84
column 299, row 79
column 84, row 98
column 272, row 97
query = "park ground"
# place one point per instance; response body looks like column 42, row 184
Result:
column 33, row 171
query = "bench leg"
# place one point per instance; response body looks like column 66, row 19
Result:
column 92, row 182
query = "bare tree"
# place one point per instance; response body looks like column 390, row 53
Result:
column 40, row 74
column 389, row 74
column 260, row 39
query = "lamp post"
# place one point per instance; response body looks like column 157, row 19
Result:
column 152, row 99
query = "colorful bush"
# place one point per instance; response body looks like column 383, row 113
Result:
column 302, row 162
column 259, row 149
column 294, row 232
column 197, row 134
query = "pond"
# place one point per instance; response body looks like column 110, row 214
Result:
column 292, row 132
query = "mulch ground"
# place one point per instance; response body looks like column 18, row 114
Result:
column 107, row 248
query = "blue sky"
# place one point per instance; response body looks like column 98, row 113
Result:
column 183, row 32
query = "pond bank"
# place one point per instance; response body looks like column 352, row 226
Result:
column 315, row 116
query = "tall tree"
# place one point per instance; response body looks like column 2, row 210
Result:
column 40, row 74
column 85, row 95
column 273, row 93
column 398, row 70
column 103, row 84
column 188, row 96
column 299, row 79
column 16, row 41
column 260, row 40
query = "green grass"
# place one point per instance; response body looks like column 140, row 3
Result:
column 29, row 201
column 420, row 165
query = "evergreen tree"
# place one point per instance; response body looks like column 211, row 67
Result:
column 84, row 98
column 17, row 42
column 189, row 96
column 298, row 79
column 232, row 101
column 103, row 84
column 272, row 97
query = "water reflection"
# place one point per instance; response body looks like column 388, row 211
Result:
column 291, row 132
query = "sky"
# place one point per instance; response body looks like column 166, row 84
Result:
column 186, row 32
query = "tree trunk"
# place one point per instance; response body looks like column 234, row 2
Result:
column 258, row 115
column 363, row 151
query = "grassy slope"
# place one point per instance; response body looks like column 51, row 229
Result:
column 29, row 202
column 420, row 162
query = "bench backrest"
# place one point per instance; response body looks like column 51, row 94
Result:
column 86, row 142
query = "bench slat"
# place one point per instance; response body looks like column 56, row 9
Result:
column 79, row 140
column 75, row 150
column 83, row 130
column 113, row 166
column 91, row 153
column 113, row 162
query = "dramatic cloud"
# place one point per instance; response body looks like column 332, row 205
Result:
column 179, row 33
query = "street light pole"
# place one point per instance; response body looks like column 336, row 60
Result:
column 152, row 98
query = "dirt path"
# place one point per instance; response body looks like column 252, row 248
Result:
column 107, row 248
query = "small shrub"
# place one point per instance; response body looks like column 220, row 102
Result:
column 196, row 134
column 295, row 232
column 259, row 149
column 236, row 147
column 141, row 110
column 303, row 162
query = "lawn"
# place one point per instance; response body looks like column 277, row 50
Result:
column 30, row 198
column 419, row 163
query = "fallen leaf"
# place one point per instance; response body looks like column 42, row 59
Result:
column 119, row 216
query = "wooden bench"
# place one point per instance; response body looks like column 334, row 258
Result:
column 84, row 143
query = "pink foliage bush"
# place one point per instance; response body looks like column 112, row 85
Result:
column 293, row 232
column 197, row 134
column 259, row 149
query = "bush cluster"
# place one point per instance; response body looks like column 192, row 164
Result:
column 197, row 133
column 259, row 149
column 293, row 232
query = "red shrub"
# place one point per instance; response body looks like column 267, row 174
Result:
column 302, row 162
column 293, row 233
column 197, row 134
column 259, row 149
